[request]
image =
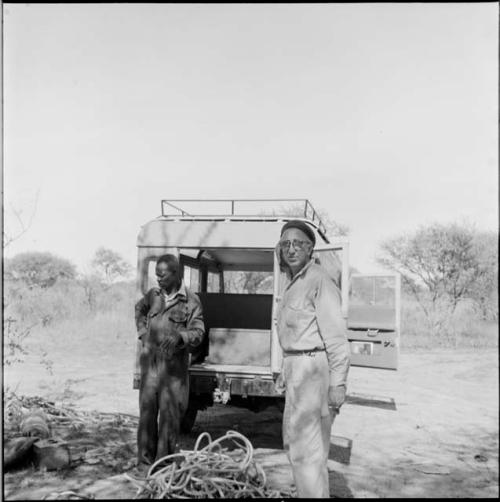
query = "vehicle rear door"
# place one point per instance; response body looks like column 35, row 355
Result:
column 373, row 320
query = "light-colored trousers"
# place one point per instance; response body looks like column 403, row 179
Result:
column 307, row 422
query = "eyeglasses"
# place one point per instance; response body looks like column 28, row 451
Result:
column 299, row 245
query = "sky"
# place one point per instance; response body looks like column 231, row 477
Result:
column 383, row 115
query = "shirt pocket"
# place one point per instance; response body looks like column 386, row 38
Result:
column 296, row 317
column 178, row 318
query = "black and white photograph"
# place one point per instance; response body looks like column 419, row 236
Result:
column 250, row 250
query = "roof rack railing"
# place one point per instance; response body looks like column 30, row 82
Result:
column 300, row 208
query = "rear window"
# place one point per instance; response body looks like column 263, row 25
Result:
column 260, row 283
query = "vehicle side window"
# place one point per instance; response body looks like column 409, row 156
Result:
column 192, row 278
column 213, row 282
column 373, row 290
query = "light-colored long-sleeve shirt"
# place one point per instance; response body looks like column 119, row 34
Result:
column 310, row 317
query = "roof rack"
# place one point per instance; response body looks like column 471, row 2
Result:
column 300, row 208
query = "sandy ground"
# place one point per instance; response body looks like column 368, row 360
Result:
column 441, row 441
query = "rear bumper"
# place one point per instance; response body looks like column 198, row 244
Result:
column 230, row 383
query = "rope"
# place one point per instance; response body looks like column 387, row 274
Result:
column 211, row 470
column 208, row 472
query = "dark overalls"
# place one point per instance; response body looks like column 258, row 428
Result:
column 164, row 386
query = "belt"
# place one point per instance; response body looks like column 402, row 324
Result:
column 302, row 352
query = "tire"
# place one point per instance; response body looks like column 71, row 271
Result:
column 189, row 418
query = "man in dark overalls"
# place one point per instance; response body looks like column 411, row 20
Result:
column 170, row 324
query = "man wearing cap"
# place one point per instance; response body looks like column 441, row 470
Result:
column 170, row 324
column 313, row 336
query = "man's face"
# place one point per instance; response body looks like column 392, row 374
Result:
column 295, row 248
column 166, row 278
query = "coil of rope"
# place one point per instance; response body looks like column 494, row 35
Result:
column 208, row 472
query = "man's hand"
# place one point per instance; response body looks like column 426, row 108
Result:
column 336, row 396
column 279, row 385
column 170, row 343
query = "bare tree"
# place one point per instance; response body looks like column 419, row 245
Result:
column 23, row 224
column 109, row 266
column 439, row 264
column 106, row 267
column 485, row 289
column 91, row 285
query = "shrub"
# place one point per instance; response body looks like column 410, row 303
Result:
column 39, row 269
column 465, row 328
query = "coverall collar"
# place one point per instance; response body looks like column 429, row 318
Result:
column 182, row 290
column 181, row 293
